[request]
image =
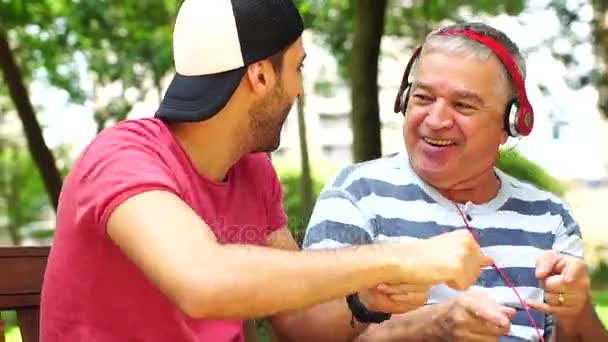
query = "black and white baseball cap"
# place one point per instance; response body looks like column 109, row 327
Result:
column 213, row 43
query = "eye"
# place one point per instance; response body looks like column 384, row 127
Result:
column 463, row 106
column 421, row 98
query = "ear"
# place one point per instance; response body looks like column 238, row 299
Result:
column 260, row 77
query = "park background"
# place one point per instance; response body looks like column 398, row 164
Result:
column 70, row 69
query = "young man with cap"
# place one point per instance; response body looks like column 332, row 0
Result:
column 462, row 95
column 164, row 223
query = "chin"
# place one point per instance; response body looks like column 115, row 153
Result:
column 433, row 174
column 270, row 146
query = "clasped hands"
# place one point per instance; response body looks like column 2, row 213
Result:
column 476, row 316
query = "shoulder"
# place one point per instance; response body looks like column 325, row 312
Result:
column 384, row 169
column 146, row 127
column 389, row 176
column 527, row 198
column 132, row 144
column 141, row 132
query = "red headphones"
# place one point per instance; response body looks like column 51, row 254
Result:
column 519, row 115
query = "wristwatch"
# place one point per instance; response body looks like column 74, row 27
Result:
column 362, row 314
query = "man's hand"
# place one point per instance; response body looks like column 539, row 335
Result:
column 566, row 282
column 475, row 316
column 453, row 258
column 395, row 298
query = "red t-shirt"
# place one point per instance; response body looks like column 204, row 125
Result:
column 92, row 291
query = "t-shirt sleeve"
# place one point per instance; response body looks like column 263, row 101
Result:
column 337, row 221
column 568, row 236
column 116, row 167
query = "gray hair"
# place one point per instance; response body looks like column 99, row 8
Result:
column 437, row 42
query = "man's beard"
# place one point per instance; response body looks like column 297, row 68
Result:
column 266, row 119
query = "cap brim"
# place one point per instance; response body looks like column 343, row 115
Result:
column 197, row 98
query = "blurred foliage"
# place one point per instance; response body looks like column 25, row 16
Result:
column 290, row 179
column 23, row 198
column 86, row 46
column 9, row 318
column 333, row 20
column 599, row 278
column 518, row 166
column 573, row 16
column 354, row 40
column 600, row 42
column 106, row 54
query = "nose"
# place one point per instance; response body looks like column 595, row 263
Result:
column 439, row 116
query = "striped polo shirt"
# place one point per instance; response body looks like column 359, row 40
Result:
column 384, row 200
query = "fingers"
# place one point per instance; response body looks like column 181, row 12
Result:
column 480, row 306
column 478, row 317
column 546, row 308
column 494, row 316
column 415, row 298
column 394, row 298
column 478, row 329
column 573, row 270
column 546, row 263
column 413, row 294
column 509, row 312
column 555, row 299
column 489, row 329
column 402, row 288
column 554, row 284
column 486, row 261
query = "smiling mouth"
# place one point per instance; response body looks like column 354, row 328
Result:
column 439, row 142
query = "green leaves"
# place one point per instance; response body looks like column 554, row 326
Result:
column 332, row 19
column 22, row 195
column 124, row 42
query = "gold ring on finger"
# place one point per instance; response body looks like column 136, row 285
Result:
column 560, row 298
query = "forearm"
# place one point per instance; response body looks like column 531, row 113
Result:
column 330, row 321
column 423, row 324
column 584, row 328
column 252, row 281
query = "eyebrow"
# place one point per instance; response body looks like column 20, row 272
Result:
column 460, row 93
column 303, row 58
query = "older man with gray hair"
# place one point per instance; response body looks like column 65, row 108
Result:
column 465, row 98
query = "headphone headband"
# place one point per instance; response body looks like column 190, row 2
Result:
column 523, row 122
column 404, row 79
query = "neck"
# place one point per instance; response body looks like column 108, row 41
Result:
column 480, row 190
column 213, row 146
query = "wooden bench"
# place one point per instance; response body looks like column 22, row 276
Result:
column 21, row 274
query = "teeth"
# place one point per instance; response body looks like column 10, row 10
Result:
column 438, row 142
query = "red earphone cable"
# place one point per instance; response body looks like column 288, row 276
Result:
column 504, row 276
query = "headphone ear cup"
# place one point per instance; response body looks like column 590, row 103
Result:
column 511, row 118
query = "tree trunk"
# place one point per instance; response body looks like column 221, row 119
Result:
column 368, row 28
column 305, row 178
column 40, row 152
